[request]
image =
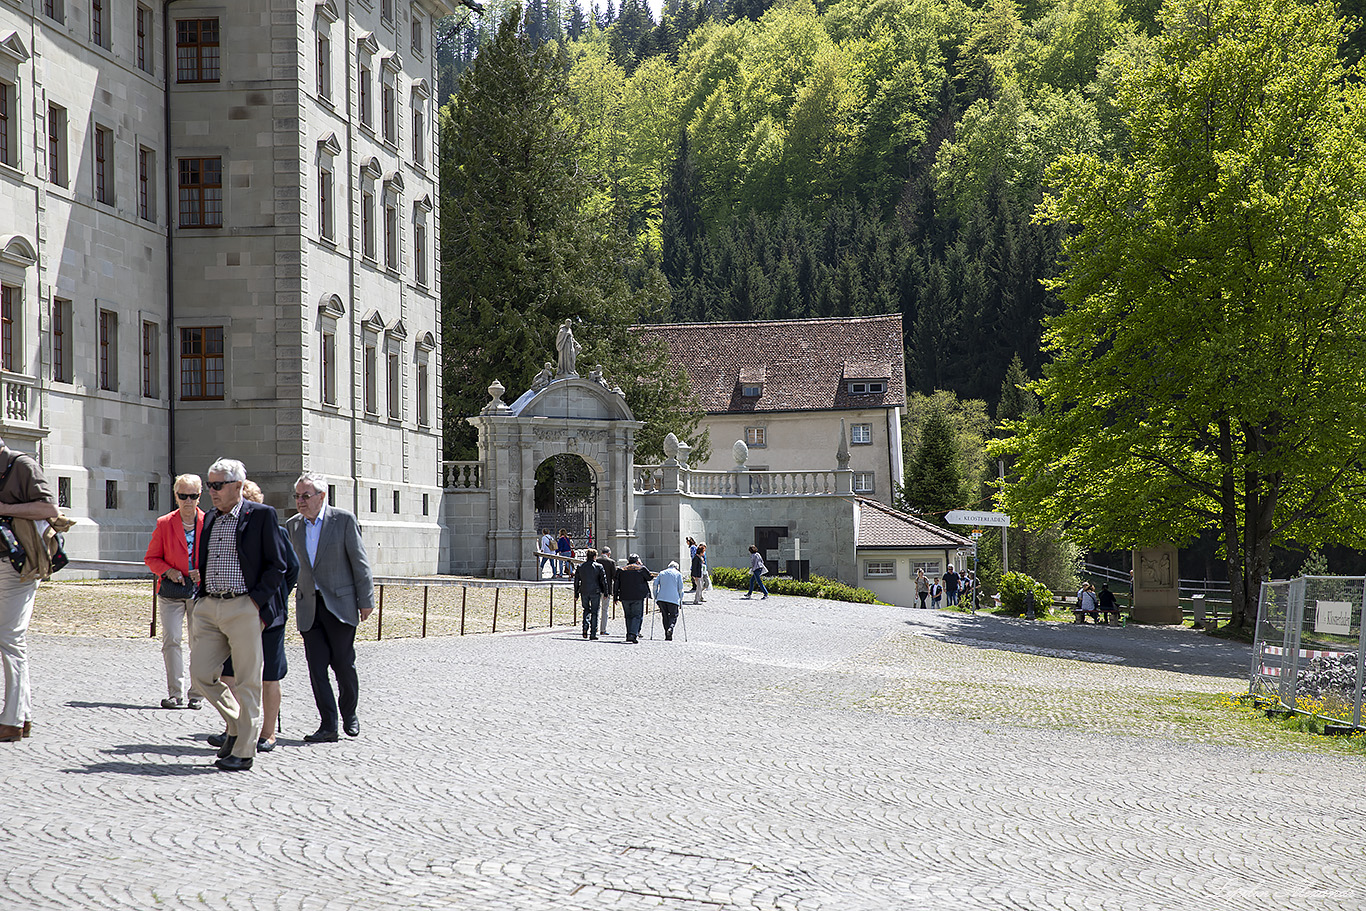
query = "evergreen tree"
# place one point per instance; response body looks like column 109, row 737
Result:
column 1016, row 402
column 521, row 252
column 933, row 484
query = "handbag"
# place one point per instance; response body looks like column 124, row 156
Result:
column 9, row 543
column 175, row 591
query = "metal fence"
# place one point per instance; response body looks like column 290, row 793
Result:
column 421, row 606
column 1308, row 655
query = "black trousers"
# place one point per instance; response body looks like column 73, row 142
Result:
column 668, row 614
column 332, row 644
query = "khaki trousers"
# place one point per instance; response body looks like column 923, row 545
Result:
column 177, row 621
column 222, row 628
column 16, row 609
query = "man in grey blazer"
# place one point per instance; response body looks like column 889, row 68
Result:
column 335, row 593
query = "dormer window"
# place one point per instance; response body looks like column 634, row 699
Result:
column 751, row 381
column 752, row 391
column 867, row 387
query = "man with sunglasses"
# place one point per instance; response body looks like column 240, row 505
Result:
column 242, row 566
column 336, row 593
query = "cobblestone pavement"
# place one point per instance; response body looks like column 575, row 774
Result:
column 746, row 768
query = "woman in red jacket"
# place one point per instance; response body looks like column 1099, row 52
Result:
column 173, row 541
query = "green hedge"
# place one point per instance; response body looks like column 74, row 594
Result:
column 818, row 587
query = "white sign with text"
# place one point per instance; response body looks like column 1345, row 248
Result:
column 967, row 517
column 1333, row 617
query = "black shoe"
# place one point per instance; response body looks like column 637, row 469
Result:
column 351, row 726
column 321, row 735
column 668, row 635
column 226, row 749
column 585, row 634
column 234, row 764
column 264, row 746
column 217, row 740
column 594, row 636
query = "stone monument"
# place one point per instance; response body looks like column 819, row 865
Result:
column 1156, row 585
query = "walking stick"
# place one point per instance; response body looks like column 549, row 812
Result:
column 652, row 620
column 683, row 621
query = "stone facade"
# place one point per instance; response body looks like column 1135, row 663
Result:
column 294, row 207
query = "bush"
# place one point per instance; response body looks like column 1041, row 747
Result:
column 1014, row 588
column 818, row 587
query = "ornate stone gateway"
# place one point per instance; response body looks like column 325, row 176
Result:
column 561, row 414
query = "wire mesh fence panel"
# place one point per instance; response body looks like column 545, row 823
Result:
column 1268, row 652
column 1328, row 661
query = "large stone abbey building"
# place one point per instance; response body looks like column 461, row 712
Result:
column 218, row 237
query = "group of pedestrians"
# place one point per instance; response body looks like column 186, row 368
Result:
column 598, row 581
column 226, row 577
column 957, row 587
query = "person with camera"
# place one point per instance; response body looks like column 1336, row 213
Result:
column 170, row 556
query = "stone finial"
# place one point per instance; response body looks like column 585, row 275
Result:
column 671, row 447
column 496, row 390
column 741, row 453
column 842, row 454
column 684, row 450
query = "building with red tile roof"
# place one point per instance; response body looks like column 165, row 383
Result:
column 784, row 387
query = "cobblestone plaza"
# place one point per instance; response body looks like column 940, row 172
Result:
column 791, row 754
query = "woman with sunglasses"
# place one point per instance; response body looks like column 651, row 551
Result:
column 168, row 556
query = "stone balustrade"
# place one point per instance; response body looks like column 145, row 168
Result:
column 461, row 476
column 19, row 392
column 649, row 479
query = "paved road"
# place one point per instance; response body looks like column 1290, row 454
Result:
column 742, row 769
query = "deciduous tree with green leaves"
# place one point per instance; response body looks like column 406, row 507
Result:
column 1209, row 368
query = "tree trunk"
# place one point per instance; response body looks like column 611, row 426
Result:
column 1232, row 536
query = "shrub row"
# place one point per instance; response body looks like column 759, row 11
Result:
column 818, row 587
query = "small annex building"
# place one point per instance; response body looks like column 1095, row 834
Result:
column 785, row 386
column 891, row 545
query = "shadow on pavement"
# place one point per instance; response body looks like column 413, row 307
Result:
column 1177, row 649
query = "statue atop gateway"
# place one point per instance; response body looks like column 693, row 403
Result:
column 568, row 348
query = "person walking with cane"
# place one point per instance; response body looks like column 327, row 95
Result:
column 669, row 595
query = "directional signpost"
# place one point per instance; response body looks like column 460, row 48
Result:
column 994, row 519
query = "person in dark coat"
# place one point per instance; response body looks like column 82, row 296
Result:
column 633, row 588
column 590, row 584
column 610, row 567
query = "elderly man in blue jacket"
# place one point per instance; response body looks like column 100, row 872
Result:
column 669, row 594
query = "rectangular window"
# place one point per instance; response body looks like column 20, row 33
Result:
column 879, row 569
column 867, row 388
column 374, row 499
column 63, row 493
column 396, row 502
column 325, row 218
column 9, row 304
column 395, row 393
column 144, row 33
column 146, row 184
column 931, row 568
column 423, row 417
column 751, row 391
column 756, row 437
column 324, row 67
column 391, row 238
column 417, row 33
column 149, row 359
column 201, row 363
column 863, row 482
column 329, row 368
column 371, row 393
column 424, row 504
column 419, row 134
column 61, row 340
column 99, row 27
column 363, row 96
column 860, row 434
column 386, row 10
column 56, row 144
column 367, row 225
column 387, row 105
column 196, row 50
column 331, row 493
column 104, row 165
column 111, row 494
column 54, row 10
column 420, row 254
column 153, row 496
column 8, row 143
column 109, row 351
column 201, row 192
